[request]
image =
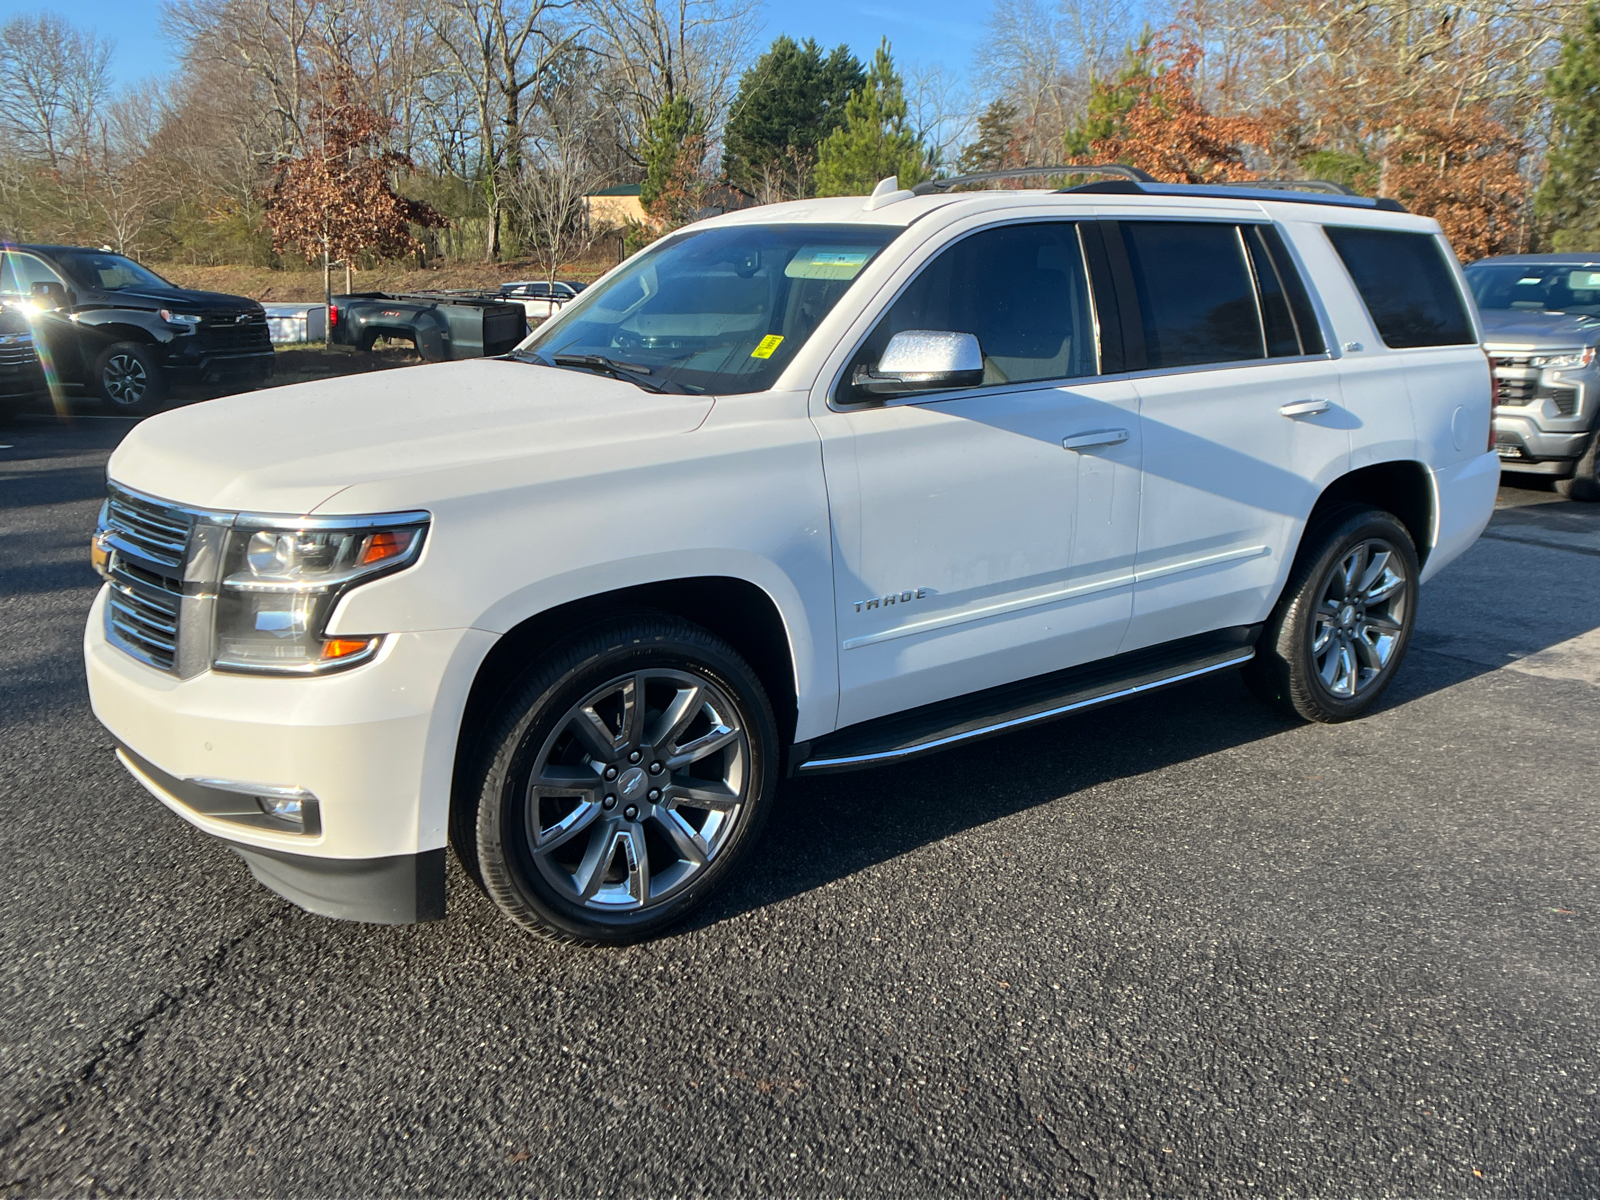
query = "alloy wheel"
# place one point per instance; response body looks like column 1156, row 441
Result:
column 126, row 380
column 638, row 788
column 1360, row 618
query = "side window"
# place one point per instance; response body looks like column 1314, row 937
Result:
column 1406, row 284
column 28, row 271
column 1291, row 323
column 1021, row 290
column 1197, row 301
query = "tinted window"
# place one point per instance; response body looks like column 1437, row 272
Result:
column 1020, row 290
column 1406, row 284
column 1196, row 298
column 1537, row 287
column 109, row 272
column 23, row 271
column 1283, row 341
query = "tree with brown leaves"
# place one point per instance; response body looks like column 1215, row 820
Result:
column 335, row 201
column 1151, row 117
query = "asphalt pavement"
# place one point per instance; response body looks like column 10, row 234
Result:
column 1180, row 946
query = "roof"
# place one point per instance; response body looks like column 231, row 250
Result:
column 624, row 189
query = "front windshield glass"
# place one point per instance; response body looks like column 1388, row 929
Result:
column 109, row 272
column 1537, row 287
column 722, row 311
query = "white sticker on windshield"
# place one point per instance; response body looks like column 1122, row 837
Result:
column 1584, row 281
column 827, row 262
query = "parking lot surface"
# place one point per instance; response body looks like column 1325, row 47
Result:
column 1180, row 946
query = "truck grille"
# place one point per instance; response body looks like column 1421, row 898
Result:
column 14, row 356
column 149, row 541
column 156, row 531
column 235, row 331
column 1516, row 385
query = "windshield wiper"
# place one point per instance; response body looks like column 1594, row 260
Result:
column 634, row 373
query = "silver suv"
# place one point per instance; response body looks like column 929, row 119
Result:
column 1541, row 323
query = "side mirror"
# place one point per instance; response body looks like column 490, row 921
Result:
column 49, row 295
column 923, row 360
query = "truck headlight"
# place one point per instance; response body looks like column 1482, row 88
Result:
column 1564, row 358
column 182, row 322
column 282, row 578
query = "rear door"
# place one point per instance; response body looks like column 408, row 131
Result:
column 1240, row 413
column 972, row 547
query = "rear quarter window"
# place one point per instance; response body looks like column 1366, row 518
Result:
column 1406, row 284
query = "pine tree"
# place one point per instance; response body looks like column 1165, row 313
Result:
column 1569, row 199
column 788, row 103
column 1111, row 101
column 997, row 145
column 674, row 151
column 876, row 139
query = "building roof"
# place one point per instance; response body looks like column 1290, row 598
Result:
column 626, row 189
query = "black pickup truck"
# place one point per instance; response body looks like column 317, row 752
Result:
column 441, row 325
column 106, row 326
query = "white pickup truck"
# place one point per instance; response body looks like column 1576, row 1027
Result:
column 807, row 487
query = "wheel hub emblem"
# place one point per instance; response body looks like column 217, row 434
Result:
column 1346, row 615
column 632, row 781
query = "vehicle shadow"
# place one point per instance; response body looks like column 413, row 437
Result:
column 829, row 827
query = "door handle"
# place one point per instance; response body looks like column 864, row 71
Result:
column 1095, row 437
column 1306, row 408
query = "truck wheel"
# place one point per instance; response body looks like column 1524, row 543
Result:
column 1344, row 620
column 129, row 379
column 630, row 773
column 1583, row 483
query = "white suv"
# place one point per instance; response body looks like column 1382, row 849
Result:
column 801, row 488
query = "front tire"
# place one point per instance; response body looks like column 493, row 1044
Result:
column 1584, row 482
column 631, row 771
column 130, row 380
column 1344, row 621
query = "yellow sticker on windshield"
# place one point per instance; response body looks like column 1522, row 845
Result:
column 768, row 344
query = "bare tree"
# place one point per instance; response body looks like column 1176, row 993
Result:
column 558, row 173
column 506, row 52
column 54, row 80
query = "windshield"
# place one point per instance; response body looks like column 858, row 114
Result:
column 721, row 311
column 109, row 272
column 1537, row 287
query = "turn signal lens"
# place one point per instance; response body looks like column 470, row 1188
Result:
column 386, row 545
column 337, row 648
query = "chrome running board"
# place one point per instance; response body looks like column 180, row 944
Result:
column 933, row 727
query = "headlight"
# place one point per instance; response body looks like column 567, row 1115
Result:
column 1564, row 358
column 281, row 580
column 186, row 322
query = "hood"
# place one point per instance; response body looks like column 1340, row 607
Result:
column 1528, row 327
column 182, row 298
column 291, row 449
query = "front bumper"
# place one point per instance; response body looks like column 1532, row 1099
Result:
column 375, row 747
column 189, row 363
column 1524, row 444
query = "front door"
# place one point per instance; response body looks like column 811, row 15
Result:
column 972, row 547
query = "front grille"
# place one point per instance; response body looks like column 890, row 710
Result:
column 157, row 531
column 16, row 356
column 143, row 622
column 227, row 332
column 1517, row 385
column 149, row 542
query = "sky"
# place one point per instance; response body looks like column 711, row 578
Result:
column 927, row 32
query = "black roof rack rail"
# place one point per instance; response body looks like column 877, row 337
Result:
column 1241, row 191
column 1305, row 185
column 1132, row 174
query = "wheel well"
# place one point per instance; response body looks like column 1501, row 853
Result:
column 1401, row 488
column 733, row 609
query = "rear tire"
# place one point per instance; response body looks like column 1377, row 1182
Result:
column 629, row 774
column 129, row 379
column 1583, row 483
column 1344, row 621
